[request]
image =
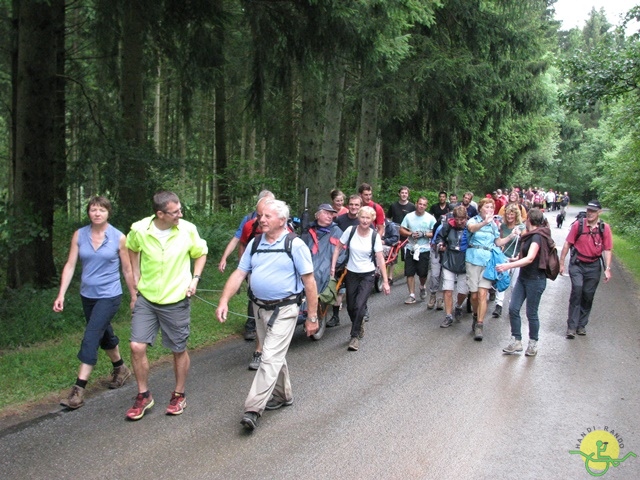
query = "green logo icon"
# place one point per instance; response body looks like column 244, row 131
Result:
column 600, row 450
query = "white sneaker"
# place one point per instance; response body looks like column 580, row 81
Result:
column 532, row 349
column 514, row 347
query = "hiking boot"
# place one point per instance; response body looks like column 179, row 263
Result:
column 571, row 333
column 448, row 320
column 274, row 403
column 457, row 313
column 75, row 399
column 532, row 349
column 477, row 332
column 249, row 335
column 440, row 304
column 581, row 331
column 353, row 344
column 514, row 347
column 497, row 313
column 254, row 363
column 361, row 334
column 177, row 404
column 334, row 321
column 410, row 300
column 423, row 293
column 119, row 375
column 250, row 420
column 432, row 301
column 140, row 406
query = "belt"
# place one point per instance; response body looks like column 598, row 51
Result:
column 480, row 246
column 275, row 305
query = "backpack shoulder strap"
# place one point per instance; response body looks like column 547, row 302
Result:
column 256, row 242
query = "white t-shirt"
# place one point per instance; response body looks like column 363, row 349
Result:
column 360, row 251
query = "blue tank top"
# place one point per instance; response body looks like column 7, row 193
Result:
column 101, row 266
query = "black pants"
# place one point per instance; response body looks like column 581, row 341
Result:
column 359, row 286
column 585, row 278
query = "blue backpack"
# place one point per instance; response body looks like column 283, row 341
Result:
column 501, row 280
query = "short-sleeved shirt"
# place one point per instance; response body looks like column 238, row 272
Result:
column 472, row 211
column 251, row 229
column 397, row 211
column 419, row 223
column 438, row 212
column 273, row 276
column 101, row 266
column 344, row 221
column 591, row 242
column 360, row 260
column 512, row 248
column 379, row 213
column 481, row 242
column 165, row 267
column 532, row 270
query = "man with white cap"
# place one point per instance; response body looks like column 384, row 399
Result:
column 590, row 242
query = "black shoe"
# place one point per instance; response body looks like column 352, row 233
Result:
column 492, row 295
column 249, row 335
column 334, row 321
column 250, row 420
column 497, row 313
column 275, row 404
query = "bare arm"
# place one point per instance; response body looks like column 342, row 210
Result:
column 311, row 293
column 334, row 258
column 198, row 267
column 67, row 273
column 231, row 246
column 563, row 255
column 523, row 262
column 127, row 271
column 607, row 265
column 230, row 288
column 474, row 227
column 383, row 271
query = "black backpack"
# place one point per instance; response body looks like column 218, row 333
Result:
column 287, row 247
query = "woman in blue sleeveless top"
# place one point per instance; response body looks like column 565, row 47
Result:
column 102, row 251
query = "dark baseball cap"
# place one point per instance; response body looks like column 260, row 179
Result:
column 594, row 205
column 327, row 207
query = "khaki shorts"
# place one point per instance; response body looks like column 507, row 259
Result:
column 454, row 281
column 475, row 279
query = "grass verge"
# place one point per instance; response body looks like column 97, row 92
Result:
column 32, row 373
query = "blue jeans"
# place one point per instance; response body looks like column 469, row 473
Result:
column 529, row 289
column 98, row 313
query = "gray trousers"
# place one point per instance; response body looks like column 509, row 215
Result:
column 272, row 377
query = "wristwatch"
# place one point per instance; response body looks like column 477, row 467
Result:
column 313, row 319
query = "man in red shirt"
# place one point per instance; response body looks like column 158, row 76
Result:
column 591, row 242
column 366, row 193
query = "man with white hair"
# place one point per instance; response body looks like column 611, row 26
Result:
column 280, row 266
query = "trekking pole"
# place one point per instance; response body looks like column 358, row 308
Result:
column 304, row 222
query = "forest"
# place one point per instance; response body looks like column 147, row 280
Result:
column 217, row 99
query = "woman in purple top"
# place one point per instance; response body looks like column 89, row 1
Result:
column 101, row 249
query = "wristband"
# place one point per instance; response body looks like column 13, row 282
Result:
column 198, row 277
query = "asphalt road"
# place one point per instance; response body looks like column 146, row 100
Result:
column 417, row 401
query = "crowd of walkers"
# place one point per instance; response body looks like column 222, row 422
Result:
column 451, row 247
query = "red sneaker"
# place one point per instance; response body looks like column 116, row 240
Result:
column 177, row 404
column 140, row 407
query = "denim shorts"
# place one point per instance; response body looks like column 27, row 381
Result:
column 172, row 320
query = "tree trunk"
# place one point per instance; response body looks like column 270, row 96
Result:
column 223, row 195
column 311, row 176
column 367, row 141
column 60, row 149
column 332, row 124
column 35, row 146
column 132, row 171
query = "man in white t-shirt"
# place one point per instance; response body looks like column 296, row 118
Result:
column 418, row 226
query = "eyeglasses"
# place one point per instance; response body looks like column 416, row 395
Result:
column 176, row 213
